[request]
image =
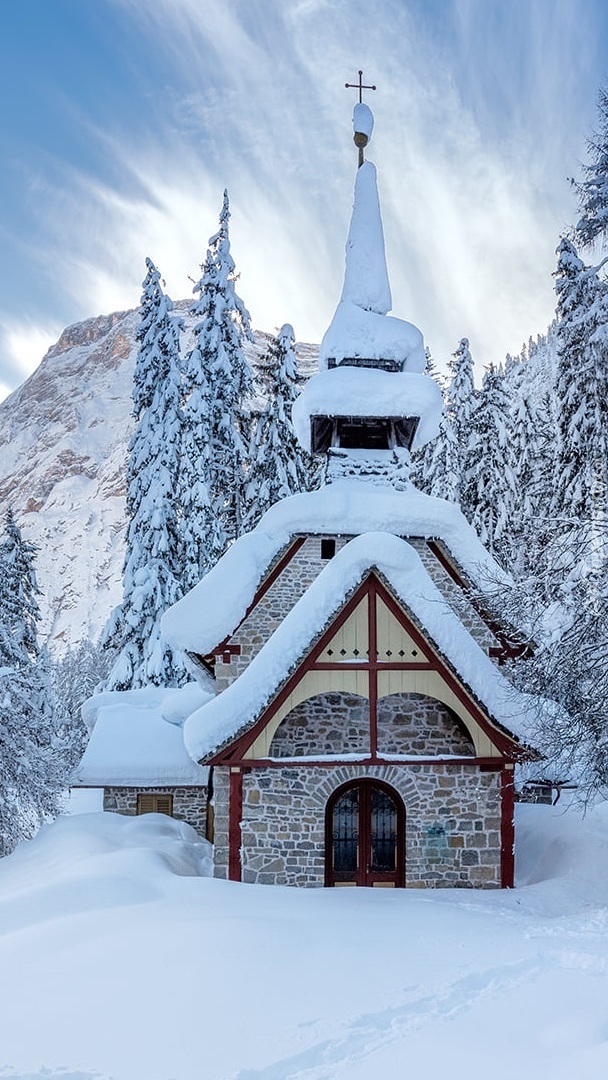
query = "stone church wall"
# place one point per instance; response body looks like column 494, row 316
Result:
column 415, row 724
column 455, row 596
column 299, row 574
column 304, row 567
column 331, row 723
column 338, row 723
column 452, row 822
column 189, row 803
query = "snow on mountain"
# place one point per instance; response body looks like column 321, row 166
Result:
column 63, row 441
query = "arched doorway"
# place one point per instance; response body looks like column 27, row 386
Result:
column 365, row 835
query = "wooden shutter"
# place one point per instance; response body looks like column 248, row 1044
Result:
column 155, row 804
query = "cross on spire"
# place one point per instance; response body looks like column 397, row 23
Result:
column 359, row 86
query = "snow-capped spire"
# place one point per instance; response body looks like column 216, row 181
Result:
column 370, row 402
column 365, row 275
column 361, row 333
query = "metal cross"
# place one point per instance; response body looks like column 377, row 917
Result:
column 359, row 86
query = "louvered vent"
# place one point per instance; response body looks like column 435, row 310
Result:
column 155, row 804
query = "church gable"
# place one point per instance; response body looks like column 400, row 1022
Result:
column 300, row 564
column 372, row 653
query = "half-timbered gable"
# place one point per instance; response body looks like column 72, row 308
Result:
column 371, row 675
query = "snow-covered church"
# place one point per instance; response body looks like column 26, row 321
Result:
column 361, row 731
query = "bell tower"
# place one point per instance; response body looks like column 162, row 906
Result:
column 371, row 402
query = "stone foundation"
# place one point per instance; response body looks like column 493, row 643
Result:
column 452, row 832
column 189, row 803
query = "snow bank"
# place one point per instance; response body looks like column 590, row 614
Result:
column 215, row 607
column 225, row 716
column 352, row 391
column 102, row 913
column 136, row 738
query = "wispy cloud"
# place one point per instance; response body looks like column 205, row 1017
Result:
column 481, row 111
column 22, row 346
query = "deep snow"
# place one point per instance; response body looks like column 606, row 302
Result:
column 120, row 962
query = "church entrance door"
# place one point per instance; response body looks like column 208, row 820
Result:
column 365, row 836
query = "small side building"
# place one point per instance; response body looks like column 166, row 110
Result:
column 136, row 754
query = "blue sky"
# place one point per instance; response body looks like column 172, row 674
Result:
column 123, row 120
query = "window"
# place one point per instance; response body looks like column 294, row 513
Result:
column 155, row 804
column 328, row 549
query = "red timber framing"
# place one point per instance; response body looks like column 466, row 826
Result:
column 235, row 815
column 371, row 588
column 507, row 829
column 507, row 649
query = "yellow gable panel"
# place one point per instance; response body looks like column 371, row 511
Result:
column 394, row 642
column 351, row 641
column 432, row 684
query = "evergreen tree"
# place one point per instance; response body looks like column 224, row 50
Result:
column 582, row 388
column 218, row 384
column 441, row 466
column 18, row 591
column 151, row 572
column 592, row 190
column 76, row 677
column 202, row 535
column 278, row 465
column 461, row 403
column 32, row 759
column 490, row 481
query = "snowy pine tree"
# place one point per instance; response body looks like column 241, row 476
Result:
column 582, row 388
column 76, row 677
column 592, row 190
column 217, row 385
column 278, row 464
column 151, row 572
column 461, row 404
column 32, row 760
column 440, row 463
column 490, row 481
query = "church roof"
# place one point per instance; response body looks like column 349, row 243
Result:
column 225, row 717
column 214, row 608
column 137, row 738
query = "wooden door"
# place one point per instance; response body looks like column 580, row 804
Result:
column 365, row 836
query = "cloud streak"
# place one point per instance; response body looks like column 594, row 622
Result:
column 480, row 112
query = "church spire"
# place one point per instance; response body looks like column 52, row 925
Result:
column 370, row 402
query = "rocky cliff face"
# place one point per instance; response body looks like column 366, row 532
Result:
column 63, row 442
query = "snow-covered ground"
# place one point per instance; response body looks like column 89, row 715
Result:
column 119, row 961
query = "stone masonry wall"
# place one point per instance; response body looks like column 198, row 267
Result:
column 304, row 567
column 455, row 596
column 296, row 578
column 189, row 803
column 452, row 822
column 415, row 724
column 331, row 723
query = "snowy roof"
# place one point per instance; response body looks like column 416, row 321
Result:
column 214, row 608
column 360, row 326
column 352, row 391
column 231, row 712
column 137, row 738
